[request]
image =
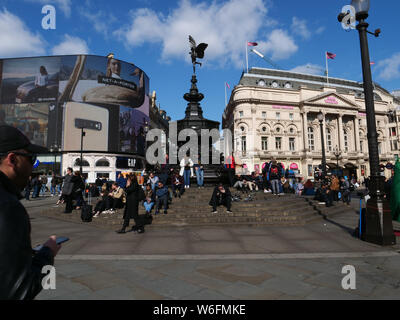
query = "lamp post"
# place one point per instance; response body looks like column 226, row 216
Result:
column 55, row 149
column 337, row 154
column 83, row 133
column 378, row 220
column 321, row 117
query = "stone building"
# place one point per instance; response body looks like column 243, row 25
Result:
column 273, row 114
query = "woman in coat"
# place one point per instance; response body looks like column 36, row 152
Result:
column 132, row 206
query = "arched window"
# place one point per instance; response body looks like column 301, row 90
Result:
column 346, row 141
column 329, row 139
column 311, row 146
column 102, row 163
column 78, row 163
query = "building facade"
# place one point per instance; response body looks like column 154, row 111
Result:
column 273, row 114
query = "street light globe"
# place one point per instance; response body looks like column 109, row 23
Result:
column 320, row 116
column 361, row 6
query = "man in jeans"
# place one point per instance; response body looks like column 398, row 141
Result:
column 346, row 194
column 274, row 177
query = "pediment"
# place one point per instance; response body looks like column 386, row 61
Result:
column 331, row 99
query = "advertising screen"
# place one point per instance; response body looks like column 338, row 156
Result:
column 51, row 98
column 31, row 119
column 95, row 123
column 131, row 128
column 30, row 80
column 99, row 80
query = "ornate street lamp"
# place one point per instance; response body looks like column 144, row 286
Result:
column 337, row 154
column 378, row 220
column 321, row 117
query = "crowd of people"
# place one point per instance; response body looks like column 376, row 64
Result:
column 155, row 190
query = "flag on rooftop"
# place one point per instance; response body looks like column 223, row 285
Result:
column 330, row 55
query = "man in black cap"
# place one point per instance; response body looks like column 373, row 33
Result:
column 20, row 269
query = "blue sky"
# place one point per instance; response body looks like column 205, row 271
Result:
column 153, row 34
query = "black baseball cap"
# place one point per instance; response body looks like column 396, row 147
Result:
column 12, row 139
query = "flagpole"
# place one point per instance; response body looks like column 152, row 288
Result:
column 327, row 70
column 226, row 101
column 247, row 58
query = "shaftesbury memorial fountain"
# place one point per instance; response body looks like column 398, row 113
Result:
column 194, row 114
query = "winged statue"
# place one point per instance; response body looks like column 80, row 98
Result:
column 197, row 51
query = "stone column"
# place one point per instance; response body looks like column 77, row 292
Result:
column 340, row 132
column 324, row 133
column 357, row 134
column 305, row 131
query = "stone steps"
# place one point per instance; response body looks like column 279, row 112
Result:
column 193, row 209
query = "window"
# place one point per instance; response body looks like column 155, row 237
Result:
column 292, row 146
column 380, row 147
column 278, row 143
column 291, row 116
column 84, row 163
column 243, row 144
column 346, row 141
column 264, row 143
column 361, row 146
column 392, row 132
column 329, row 139
column 102, row 163
column 264, row 114
column 241, row 114
column 278, row 116
column 394, row 145
column 311, row 146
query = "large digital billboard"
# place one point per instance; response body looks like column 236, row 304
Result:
column 51, row 98
column 30, row 80
column 93, row 79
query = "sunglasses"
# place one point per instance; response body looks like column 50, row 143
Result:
column 32, row 157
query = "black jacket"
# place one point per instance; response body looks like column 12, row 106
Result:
column 20, row 268
column 218, row 195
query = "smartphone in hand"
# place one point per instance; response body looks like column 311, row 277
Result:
column 59, row 241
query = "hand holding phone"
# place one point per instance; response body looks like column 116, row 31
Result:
column 53, row 243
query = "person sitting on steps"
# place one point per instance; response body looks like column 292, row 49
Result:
column 221, row 196
column 161, row 198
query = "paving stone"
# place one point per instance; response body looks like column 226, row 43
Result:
column 98, row 280
column 289, row 286
column 324, row 293
column 74, row 269
column 170, row 287
column 240, row 290
column 207, row 294
column 116, row 293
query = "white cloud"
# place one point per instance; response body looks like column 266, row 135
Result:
column 16, row 39
column 63, row 5
column 224, row 26
column 299, row 27
column 320, row 30
column 71, row 45
column 310, row 69
column 100, row 20
column 279, row 45
column 389, row 69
